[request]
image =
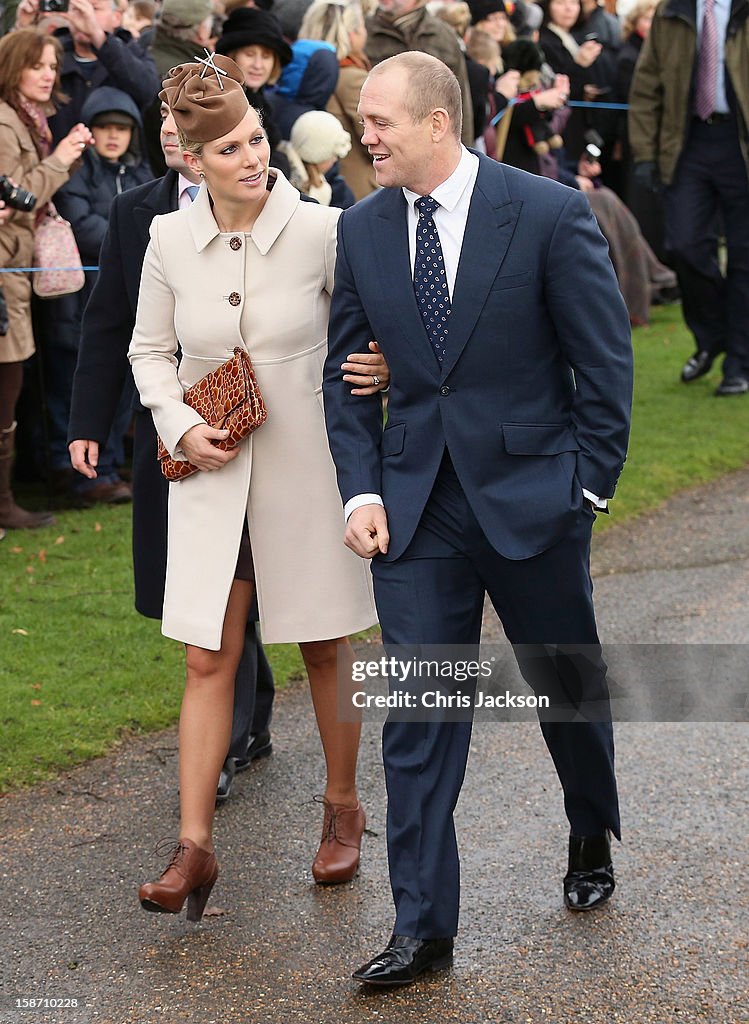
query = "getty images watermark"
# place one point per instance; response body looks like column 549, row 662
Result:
column 400, row 671
column 552, row 682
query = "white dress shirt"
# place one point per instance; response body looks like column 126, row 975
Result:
column 184, row 199
column 454, row 196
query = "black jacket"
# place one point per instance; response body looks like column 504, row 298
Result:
column 121, row 62
column 103, row 369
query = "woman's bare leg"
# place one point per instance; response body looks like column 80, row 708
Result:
column 205, row 719
column 340, row 740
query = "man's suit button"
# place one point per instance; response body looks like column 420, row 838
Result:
column 235, row 242
column 444, row 390
column 235, row 298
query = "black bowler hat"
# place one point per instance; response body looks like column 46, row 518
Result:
column 250, row 26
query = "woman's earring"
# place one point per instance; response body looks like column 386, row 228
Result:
column 200, row 174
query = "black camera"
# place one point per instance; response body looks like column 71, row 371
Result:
column 593, row 146
column 16, row 197
column 53, row 6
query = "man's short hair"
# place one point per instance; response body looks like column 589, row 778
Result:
column 431, row 84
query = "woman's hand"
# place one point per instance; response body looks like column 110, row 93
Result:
column 84, row 457
column 368, row 370
column 507, row 84
column 69, row 149
column 550, row 99
column 588, row 53
column 198, row 444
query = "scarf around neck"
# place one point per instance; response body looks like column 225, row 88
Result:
column 35, row 119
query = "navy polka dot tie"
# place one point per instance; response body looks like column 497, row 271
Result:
column 430, row 279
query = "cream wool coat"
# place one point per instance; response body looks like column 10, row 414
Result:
column 271, row 294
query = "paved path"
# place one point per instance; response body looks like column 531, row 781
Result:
column 671, row 946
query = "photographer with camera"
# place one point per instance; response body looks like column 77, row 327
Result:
column 96, row 51
column 28, row 80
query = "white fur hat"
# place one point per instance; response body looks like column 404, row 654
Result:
column 318, row 136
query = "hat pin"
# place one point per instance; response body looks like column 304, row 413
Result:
column 209, row 65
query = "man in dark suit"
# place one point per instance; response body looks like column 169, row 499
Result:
column 497, row 309
column 101, row 372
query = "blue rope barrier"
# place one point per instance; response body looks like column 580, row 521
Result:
column 38, row 270
column 586, row 104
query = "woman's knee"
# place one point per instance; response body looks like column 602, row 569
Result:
column 323, row 654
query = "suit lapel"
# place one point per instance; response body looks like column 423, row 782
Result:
column 390, row 244
column 492, row 219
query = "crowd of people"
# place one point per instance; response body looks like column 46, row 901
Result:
column 89, row 71
column 360, row 196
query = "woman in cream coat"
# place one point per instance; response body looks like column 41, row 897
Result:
column 248, row 264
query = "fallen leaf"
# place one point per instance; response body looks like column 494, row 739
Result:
column 214, row 912
column 16, row 550
column 42, row 555
column 29, row 568
column 97, row 527
column 36, row 703
column 36, row 686
column 59, row 540
column 21, row 632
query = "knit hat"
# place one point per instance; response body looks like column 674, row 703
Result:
column 185, row 13
column 481, row 9
column 205, row 103
column 250, row 26
column 318, row 136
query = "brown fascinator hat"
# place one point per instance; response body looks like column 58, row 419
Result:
column 206, row 98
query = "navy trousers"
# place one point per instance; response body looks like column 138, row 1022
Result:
column 710, row 190
column 433, row 595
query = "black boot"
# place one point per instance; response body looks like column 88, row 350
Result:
column 589, row 881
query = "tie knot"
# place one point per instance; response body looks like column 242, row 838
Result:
column 192, row 191
column 426, row 206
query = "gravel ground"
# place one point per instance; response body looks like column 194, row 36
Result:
column 671, row 945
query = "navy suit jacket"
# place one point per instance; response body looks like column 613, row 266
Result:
column 533, row 398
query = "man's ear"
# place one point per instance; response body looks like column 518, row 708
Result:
column 192, row 162
column 440, row 124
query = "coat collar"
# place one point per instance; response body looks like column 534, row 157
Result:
column 275, row 215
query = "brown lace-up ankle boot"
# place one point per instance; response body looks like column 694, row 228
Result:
column 337, row 859
column 190, row 875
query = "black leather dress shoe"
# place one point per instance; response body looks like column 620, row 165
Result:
column 226, row 780
column 405, row 959
column 589, row 881
column 260, row 746
column 697, row 366
column 732, row 386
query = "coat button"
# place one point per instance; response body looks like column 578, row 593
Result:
column 444, row 390
column 235, row 298
column 235, row 242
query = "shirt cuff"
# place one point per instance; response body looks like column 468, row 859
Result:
column 598, row 502
column 358, row 500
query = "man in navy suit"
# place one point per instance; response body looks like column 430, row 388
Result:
column 497, row 309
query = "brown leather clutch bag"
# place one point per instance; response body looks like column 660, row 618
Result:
column 227, row 398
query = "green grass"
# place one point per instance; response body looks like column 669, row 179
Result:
column 79, row 669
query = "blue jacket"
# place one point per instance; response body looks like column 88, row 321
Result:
column 307, row 83
column 533, row 397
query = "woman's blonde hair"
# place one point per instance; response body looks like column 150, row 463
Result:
column 634, row 14
column 331, row 22
column 457, row 16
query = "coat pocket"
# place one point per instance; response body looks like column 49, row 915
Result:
column 538, row 438
column 393, row 439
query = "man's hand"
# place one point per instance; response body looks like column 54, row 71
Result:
column 507, row 84
column 198, row 445
column 84, row 457
column 646, row 175
column 82, row 18
column 27, row 13
column 367, row 531
column 363, row 367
